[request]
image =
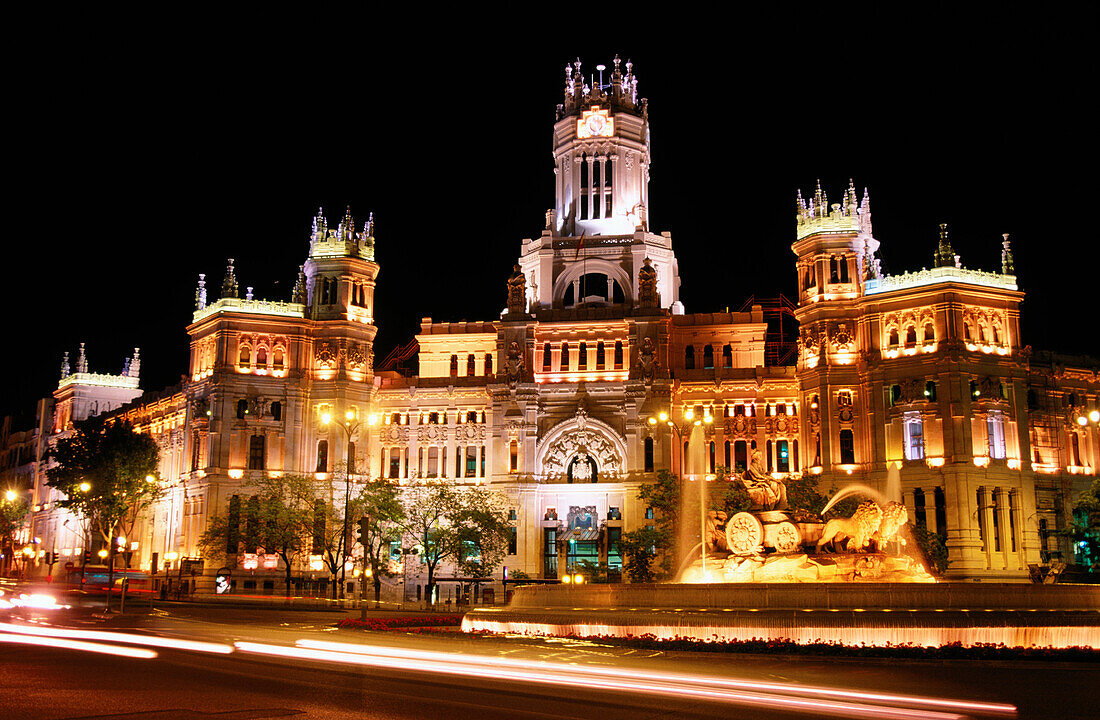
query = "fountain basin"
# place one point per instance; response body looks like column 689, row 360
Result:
column 932, row 614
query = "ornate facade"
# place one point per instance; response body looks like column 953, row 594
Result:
column 916, row 385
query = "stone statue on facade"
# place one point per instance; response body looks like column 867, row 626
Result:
column 647, row 361
column 648, row 297
column 514, row 363
column 517, row 292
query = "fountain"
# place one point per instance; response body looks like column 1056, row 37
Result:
column 774, row 573
column 771, row 543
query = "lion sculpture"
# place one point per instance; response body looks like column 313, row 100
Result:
column 894, row 517
column 858, row 529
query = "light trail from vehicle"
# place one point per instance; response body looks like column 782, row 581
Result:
column 119, row 637
column 55, row 642
column 947, row 704
column 570, row 676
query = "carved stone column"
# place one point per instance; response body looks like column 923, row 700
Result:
column 1003, row 527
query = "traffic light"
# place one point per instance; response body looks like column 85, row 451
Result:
column 364, row 525
column 87, row 557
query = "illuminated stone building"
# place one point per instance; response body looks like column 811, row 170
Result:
column 915, row 385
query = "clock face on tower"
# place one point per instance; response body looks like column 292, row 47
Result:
column 595, row 123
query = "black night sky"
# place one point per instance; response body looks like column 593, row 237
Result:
column 140, row 159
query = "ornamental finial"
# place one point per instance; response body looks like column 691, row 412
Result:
column 1007, row 266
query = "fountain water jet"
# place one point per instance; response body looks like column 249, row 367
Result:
column 852, row 490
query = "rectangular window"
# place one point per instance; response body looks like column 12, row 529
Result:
column 914, row 437
column 395, row 462
column 614, row 554
column 740, row 455
column 783, row 456
column 550, row 552
column 995, row 430
column 433, row 462
column 256, row 452
column 512, row 541
column 482, row 461
column 847, row 447
column 471, row 461
column 322, row 456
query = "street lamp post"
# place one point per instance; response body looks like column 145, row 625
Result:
column 679, row 430
column 349, row 426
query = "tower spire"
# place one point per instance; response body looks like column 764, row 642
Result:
column 65, row 365
column 229, row 284
column 1007, row 267
column 200, row 292
column 81, row 360
column 945, row 254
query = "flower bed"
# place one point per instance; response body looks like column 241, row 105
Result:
column 408, row 621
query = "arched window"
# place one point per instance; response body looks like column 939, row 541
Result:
column 847, row 447
column 648, row 454
column 433, row 462
column 996, row 335
column 488, row 363
column 196, row 445
column 708, row 357
column 546, row 357
column 929, row 333
column 395, row 463
column 843, row 262
column 1075, row 448
column 910, row 337
column 261, row 357
column 513, row 456
column 710, row 457
column 618, row 354
column 794, row 454
column 471, row 366
column 565, row 356
column 892, row 340
column 966, row 330
column 834, row 271
column 246, row 356
column 599, row 355
column 454, row 366
column 277, row 359
column 689, row 357
column 981, row 334
column 322, row 456
column 242, row 408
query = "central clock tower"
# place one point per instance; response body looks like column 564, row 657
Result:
column 601, row 154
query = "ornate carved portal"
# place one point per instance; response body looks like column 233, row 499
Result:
column 582, row 449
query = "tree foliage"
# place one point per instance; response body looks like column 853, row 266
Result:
column 115, row 462
column 277, row 516
column 380, row 507
column 468, row 526
column 932, row 547
column 645, row 545
column 1085, row 530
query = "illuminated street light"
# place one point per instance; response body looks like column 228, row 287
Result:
column 10, row 495
column 85, row 487
column 150, row 479
column 1095, row 416
column 102, row 553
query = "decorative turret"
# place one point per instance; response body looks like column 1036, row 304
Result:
column 65, row 365
column 229, row 284
column 81, row 360
column 816, row 215
column 133, row 365
column 945, row 254
column 621, row 93
column 1007, row 267
column 200, row 292
column 299, row 293
column 343, row 241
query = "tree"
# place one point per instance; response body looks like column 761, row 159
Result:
column 106, row 471
column 14, row 507
column 277, row 517
column 640, row 547
column 467, row 525
column 382, row 513
column 1085, row 530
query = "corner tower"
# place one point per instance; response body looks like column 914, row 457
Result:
column 597, row 239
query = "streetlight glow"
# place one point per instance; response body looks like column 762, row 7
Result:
column 326, row 418
column 10, row 495
column 85, row 487
column 1094, row 416
column 662, row 416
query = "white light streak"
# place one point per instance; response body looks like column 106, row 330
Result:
column 128, row 638
column 54, row 642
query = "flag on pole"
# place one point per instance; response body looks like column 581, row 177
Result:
column 580, row 244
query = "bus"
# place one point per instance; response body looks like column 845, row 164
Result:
column 95, row 579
